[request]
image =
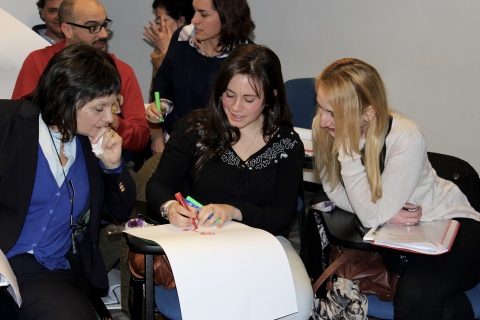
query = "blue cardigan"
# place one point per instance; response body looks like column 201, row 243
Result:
column 111, row 194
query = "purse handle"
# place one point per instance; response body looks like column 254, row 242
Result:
column 344, row 257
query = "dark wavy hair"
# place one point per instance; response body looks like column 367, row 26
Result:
column 74, row 76
column 176, row 8
column 41, row 4
column 263, row 68
column 236, row 21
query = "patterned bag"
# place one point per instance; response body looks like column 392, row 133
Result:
column 343, row 301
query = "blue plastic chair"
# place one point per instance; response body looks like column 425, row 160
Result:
column 302, row 100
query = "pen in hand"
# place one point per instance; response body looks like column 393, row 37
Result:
column 377, row 229
column 194, row 203
column 158, row 104
column 182, row 202
column 210, row 217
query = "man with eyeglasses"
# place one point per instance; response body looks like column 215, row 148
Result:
column 86, row 21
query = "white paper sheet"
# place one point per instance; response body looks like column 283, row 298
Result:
column 305, row 134
column 238, row 273
column 7, row 278
column 17, row 41
column 306, row 137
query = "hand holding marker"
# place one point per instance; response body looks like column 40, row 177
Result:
column 158, row 104
column 182, row 202
column 197, row 205
column 192, row 203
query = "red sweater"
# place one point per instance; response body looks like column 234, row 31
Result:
column 133, row 126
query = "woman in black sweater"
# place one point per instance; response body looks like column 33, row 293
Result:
column 185, row 78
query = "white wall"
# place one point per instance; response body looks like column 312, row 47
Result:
column 20, row 44
column 428, row 52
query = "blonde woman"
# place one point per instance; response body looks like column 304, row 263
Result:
column 352, row 125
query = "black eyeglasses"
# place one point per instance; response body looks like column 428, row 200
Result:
column 96, row 28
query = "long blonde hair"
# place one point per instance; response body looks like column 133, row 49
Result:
column 351, row 86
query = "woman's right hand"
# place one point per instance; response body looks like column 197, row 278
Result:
column 406, row 217
column 179, row 216
column 152, row 113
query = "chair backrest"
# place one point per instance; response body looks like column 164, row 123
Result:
column 301, row 98
column 459, row 172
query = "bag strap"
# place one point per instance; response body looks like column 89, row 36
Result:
column 344, row 257
column 383, row 153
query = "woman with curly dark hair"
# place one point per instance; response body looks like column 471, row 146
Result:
column 241, row 156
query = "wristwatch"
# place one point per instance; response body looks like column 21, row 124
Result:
column 164, row 209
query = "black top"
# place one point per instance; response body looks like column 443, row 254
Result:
column 186, row 77
column 265, row 188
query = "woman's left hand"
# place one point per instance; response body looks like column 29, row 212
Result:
column 209, row 214
column 111, row 145
column 160, row 38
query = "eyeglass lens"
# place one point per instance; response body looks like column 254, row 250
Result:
column 96, row 29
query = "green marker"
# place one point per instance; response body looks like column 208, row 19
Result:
column 157, row 103
column 194, row 203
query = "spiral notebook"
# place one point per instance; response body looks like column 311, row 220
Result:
column 427, row 237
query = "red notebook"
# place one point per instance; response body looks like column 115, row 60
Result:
column 427, row 237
